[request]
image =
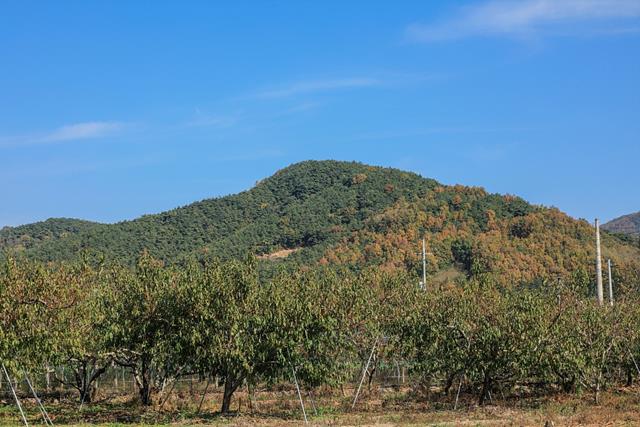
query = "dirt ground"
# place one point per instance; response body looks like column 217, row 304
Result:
column 619, row 407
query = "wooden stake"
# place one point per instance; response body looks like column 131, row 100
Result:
column 169, row 394
column 15, row 396
column 47, row 377
column 634, row 361
column 364, row 372
column 313, row 403
column 304, row 413
column 455, row 405
column 43, row 411
column 206, row 388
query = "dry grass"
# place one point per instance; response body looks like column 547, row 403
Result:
column 281, row 254
column 619, row 407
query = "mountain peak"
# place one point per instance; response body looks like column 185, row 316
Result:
column 303, row 205
column 349, row 213
column 626, row 224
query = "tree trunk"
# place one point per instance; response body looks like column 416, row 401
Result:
column 86, row 377
column 230, row 386
column 569, row 385
column 371, row 373
column 144, row 384
column 486, row 388
column 87, row 392
column 448, row 384
column 145, row 391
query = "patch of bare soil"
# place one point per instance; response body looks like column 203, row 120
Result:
column 283, row 253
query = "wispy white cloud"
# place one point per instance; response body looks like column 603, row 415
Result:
column 527, row 18
column 86, row 130
column 313, row 86
column 73, row 132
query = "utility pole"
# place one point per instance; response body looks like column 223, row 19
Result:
column 610, row 284
column 599, row 290
column 424, row 264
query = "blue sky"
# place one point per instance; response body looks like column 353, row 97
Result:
column 111, row 110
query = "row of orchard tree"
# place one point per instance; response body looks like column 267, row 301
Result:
column 220, row 319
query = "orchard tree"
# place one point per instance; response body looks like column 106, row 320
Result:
column 601, row 337
column 504, row 338
column 138, row 323
column 435, row 335
column 28, row 312
column 225, row 312
column 305, row 328
column 376, row 301
column 81, row 345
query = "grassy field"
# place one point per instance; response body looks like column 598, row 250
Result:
column 382, row 408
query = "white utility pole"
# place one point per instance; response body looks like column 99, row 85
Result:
column 610, row 284
column 599, row 290
column 424, row 264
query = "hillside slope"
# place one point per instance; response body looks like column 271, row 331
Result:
column 339, row 213
column 472, row 233
column 305, row 205
column 31, row 235
column 627, row 224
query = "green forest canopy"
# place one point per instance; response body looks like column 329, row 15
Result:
column 347, row 213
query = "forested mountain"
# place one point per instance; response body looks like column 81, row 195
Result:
column 627, row 224
column 306, row 205
column 31, row 235
column 329, row 212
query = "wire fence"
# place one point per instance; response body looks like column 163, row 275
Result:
column 58, row 382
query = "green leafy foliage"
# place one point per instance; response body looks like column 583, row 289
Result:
column 349, row 214
column 220, row 319
column 308, row 205
column 508, row 304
